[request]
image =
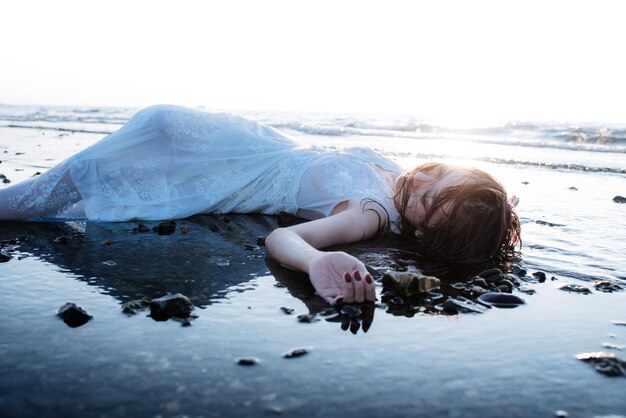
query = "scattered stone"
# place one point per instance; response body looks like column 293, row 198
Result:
column 109, row 263
column 504, row 286
column 546, row 223
column 298, row 352
column 608, row 364
column 307, row 318
column 165, row 228
column 461, row 305
column 2, row 176
column 396, row 300
column 260, row 241
column 37, row 173
column 213, row 227
column 489, row 273
column 226, row 219
column 184, row 229
column 618, row 323
column 479, row 281
column 408, row 283
column 247, row 361
column 573, row 287
column 140, row 229
column 477, row 290
column 286, row 310
column 501, row 300
column 518, row 271
column 133, row 306
column 525, row 183
column 73, row 316
column 169, row 306
column 6, row 180
column 540, row 276
column 63, row 239
column 351, row 311
column 250, row 247
column 527, row 290
column 561, row 414
column 606, row 286
column 613, row 346
column 4, row 257
column 573, row 188
column 619, row 199
column 107, row 242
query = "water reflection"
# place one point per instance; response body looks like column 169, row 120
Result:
column 209, row 257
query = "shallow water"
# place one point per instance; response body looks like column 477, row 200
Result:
column 505, row 362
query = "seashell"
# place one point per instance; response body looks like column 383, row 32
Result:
column 408, row 283
column 501, row 300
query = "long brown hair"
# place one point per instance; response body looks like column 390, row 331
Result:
column 479, row 223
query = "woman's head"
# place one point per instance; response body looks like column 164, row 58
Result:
column 457, row 214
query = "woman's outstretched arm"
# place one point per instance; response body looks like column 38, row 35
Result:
column 337, row 277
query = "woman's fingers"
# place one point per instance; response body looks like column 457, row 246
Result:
column 348, row 289
column 359, row 287
column 370, row 288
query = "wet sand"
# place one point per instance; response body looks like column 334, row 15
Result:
column 412, row 361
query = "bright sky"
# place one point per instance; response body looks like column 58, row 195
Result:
column 453, row 60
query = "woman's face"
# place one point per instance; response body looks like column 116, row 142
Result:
column 426, row 185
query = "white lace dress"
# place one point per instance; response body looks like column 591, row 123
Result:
column 171, row 162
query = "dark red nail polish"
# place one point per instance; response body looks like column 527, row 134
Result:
column 369, row 279
column 347, row 277
column 357, row 276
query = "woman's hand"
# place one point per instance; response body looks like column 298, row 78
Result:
column 341, row 278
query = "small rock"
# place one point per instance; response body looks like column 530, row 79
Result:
column 4, row 257
column 477, row 290
column 226, row 219
column 479, row 281
column 109, row 263
column 298, row 352
column 351, row 311
column 165, row 228
column 501, row 300
column 518, row 271
column 133, row 306
column 184, row 229
column 250, row 247
column 606, row 286
column 140, row 229
column 260, row 241
column 396, row 300
column 6, row 180
column 506, row 285
column 561, row 414
column 540, row 276
column 74, row 316
column 63, row 239
column 573, row 188
column 286, row 310
column 213, row 227
column 408, row 283
column 307, row 318
column 37, row 173
column 572, row 287
column 168, row 306
column 619, row 199
column 461, row 305
column 618, row 322
column 609, row 364
column 247, row 361
column 107, row 242
column 613, row 346
column 525, row 183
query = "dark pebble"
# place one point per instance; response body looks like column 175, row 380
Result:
column 226, row 219
column 479, row 281
column 6, row 180
column 573, row 188
column 307, row 318
column 525, row 183
column 606, row 286
column 506, row 284
column 184, row 229
column 540, row 276
column 518, row 271
column 107, row 242
column 351, row 311
column 247, row 361
column 501, row 300
column 38, row 173
column 133, row 306
column 396, row 300
column 461, row 305
column 213, row 227
column 4, row 257
column 250, row 247
column 141, row 229
column 572, row 287
column 260, row 241
column 298, row 352
column 619, row 199
column 73, row 316
column 165, row 228
column 2, row 176
column 609, row 364
column 63, row 239
column 169, row 306
column 286, row 310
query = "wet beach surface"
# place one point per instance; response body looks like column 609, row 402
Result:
column 417, row 356
column 417, row 361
